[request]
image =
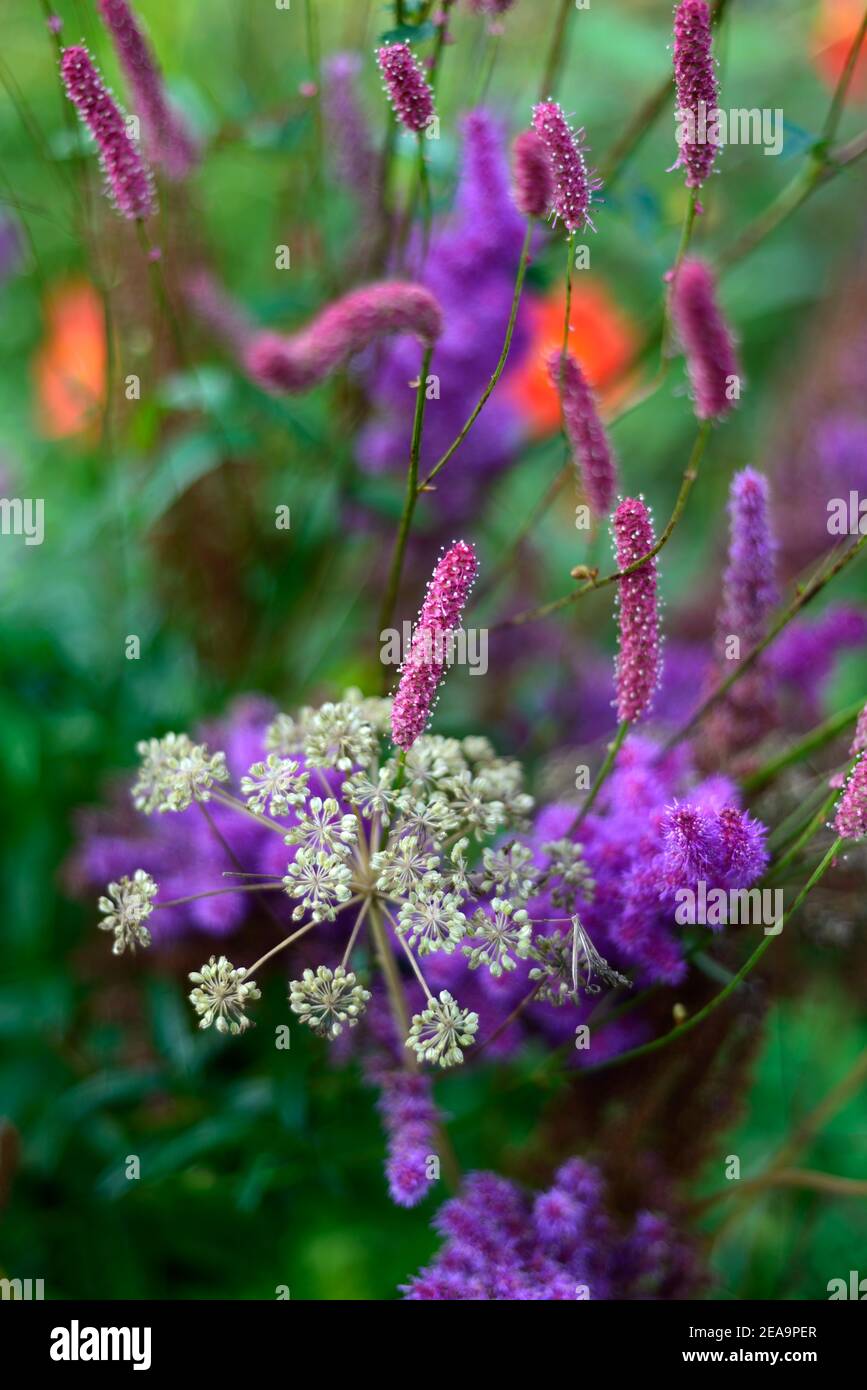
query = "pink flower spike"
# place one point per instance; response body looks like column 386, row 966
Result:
column 427, row 660
column 697, row 91
column 532, row 177
column 407, row 87
column 169, row 142
column 711, row 359
column 639, row 663
column 859, row 743
column 299, row 362
column 590, row 444
column 574, row 184
column 129, row 180
column 851, row 819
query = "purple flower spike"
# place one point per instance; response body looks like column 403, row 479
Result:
column 129, row 180
column 533, row 180
column 410, row 1119
column 169, row 142
column 639, row 663
column 426, row 663
column 406, row 85
column 711, row 359
column 851, row 819
column 590, row 444
column 574, row 184
column 697, row 91
column 344, row 328
column 750, row 591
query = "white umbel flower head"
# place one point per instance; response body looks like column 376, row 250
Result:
column 432, row 918
column 275, row 785
column 441, row 1031
column 175, row 772
column 221, row 996
column 506, row 930
column 126, row 909
column 321, row 881
column 328, row 1001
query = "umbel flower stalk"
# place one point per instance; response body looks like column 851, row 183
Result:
column 128, row 179
column 301, row 361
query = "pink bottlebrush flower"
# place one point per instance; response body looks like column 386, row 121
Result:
column 407, row 87
column 532, row 178
column 343, row 328
column 639, row 663
column 711, row 358
column 574, row 184
column 128, row 177
column 169, row 142
column 697, row 91
column 590, row 444
column 859, row 742
column 426, row 662
column 218, row 312
column 851, row 819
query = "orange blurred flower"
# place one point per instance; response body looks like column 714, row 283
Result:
column 603, row 340
column 69, row 367
column 835, row 29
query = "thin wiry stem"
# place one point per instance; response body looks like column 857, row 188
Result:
column 810, row 743
column 686, row 1027
column 365, row 908
column 594, row 582
column 613, row 749
column 281, row 946
column 410, row 499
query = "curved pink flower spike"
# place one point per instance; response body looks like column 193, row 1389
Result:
column 299, row 362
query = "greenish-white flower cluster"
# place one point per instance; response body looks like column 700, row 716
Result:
column 126, row 907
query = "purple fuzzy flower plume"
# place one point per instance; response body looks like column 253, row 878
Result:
column 851, row 819
column 711, row 359
column 129, row 180
column 407, row 87
column 425, row 665
column 410, row 1118
column 532, row 178
column 590, row 444
column 639, row 663
column 750, row 595
column 697, row 91
column 574, row 184
column 169, row 142
column 344, row 328
column 504, row 1244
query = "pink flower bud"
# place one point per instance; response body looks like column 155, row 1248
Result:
column 129, row 180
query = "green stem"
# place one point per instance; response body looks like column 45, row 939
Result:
column 498, row 370
column 687, row 482
column 556, row 52
column 806, row 596
column 832, row 122
column 613, row 749
column 687, row 1026
column 410, row 499
column 813, row 825
column 811, row 743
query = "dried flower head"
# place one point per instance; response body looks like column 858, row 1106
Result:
column 711, row 359
column 129, row 182
column 591, row 446
column 697, row 91
column 442, row 1030
column 574, row 183
column 406, row 86
column 425, row 664
column 126, row 908
column 328, row 1001
column 639, row 661
column 221, row 996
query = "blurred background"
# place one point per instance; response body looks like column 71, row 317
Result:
column 162, row 469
